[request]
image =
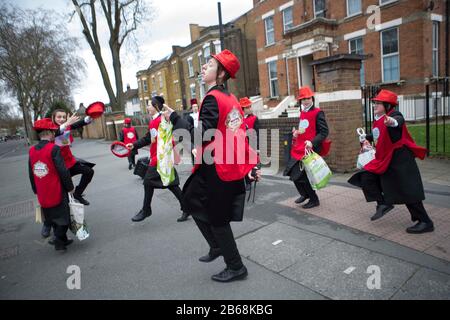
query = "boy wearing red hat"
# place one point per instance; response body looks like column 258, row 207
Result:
column 215, row 193
column 152, row 179
column 64, row 140
column 251, row 122
column 127, row 135
column 51, row 181
column 393, row 176
column 311, row 135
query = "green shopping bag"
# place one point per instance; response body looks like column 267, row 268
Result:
column 317, row 170
column 164, row 153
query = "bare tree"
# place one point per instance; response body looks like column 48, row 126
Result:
column 37, row 60
column 122, row 18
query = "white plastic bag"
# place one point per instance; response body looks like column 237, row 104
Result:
column 317, row 170
column 365, row 157
column 77, row 222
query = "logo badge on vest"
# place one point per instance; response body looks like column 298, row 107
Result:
column 376, row 133
column 234, row 120
column 40, row 169
column 130, row 135
column 303, row 125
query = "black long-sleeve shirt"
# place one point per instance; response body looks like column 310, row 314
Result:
column 208, row 117
column 79, row 124
column 58, row 161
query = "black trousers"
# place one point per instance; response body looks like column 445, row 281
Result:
column 86, row 176
column 304, row 187
column 221, row 238
column 60, row 232
column 371, row 186
column 132, row 158
column 148, row 195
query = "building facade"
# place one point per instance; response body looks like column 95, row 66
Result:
column 403, row 42
column 132, row 103
column 162, row 78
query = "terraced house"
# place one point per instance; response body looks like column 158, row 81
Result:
column 403, row 42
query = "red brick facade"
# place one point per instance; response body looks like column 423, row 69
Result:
column 313, row 38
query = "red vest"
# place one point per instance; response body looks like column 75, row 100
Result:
column 233, row 157
column 69, row 159
column 307, row 125
column 385, row 148
column 46, row 178
column 129, row 135
column 153, row 127
column 250, row 121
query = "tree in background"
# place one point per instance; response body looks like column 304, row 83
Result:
column 38, row 62
column 122, row 18
column 58, row 105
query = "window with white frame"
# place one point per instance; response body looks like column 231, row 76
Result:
column 319, row 8
column 435, row 46
column 382, row 2
column 207, row 52
column 217, row 47
column 390, row 55
column 174, row 66
column 144, row 85
column 192, row 87
column 270, row 31
column 353, row 7
column 273, row 78
column 190, row 67
column 160, row 81
column 153, row 82
column 356, row 47
column 200, row 59
column 288, row 22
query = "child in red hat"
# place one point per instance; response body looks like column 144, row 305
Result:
column 310, row 135
column 393, row 176
column 215, row 193
column 251, row 122
column 127, row 135
column 51, row 181
column 152, row 179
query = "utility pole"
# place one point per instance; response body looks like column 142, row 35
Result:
column 222, row 44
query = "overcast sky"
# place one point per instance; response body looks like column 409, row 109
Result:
column 169, row 26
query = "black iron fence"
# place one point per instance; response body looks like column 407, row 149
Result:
column 427, row 115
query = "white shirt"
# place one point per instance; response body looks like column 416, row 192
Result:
column 195, row 117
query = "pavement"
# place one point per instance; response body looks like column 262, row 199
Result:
column 330, row 252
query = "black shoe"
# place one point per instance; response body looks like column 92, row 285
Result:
column 80, row 199
column 382, row 209
column 311, row 204
column 66, row 243
column 61, row 245
column 45, row 232
column 228, row 275
column 212, row 255
column 183, row 217
column 140, row 216
column 421, row 227
column 130, row 166
column 301, row 199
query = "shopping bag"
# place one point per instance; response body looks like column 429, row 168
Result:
column 317, row 170
column 165, row 153
column 38, row 214
column 77, row 222
column 365, row 157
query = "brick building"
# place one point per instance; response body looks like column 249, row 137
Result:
column 404, row 45
column 162, row 78
column 240, row 38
